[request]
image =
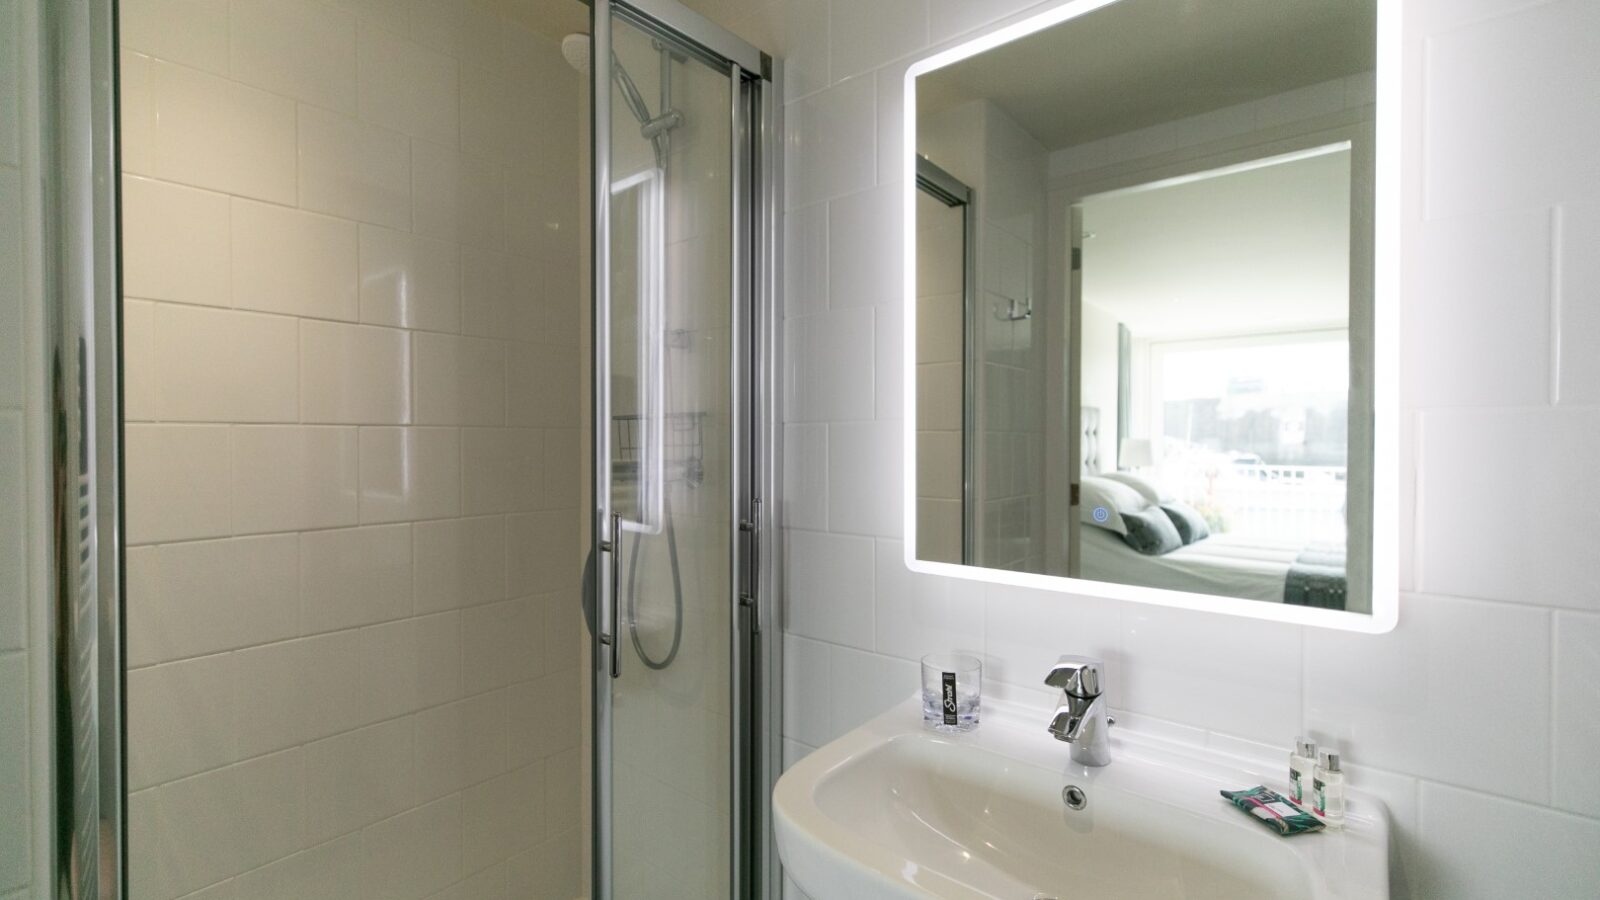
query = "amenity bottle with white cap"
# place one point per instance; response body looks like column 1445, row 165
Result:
column 1327, row 789
column 1301, row 762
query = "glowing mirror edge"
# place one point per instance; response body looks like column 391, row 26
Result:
column 1385, row 596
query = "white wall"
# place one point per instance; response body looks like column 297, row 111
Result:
column 352, row 363
column 1476, row 720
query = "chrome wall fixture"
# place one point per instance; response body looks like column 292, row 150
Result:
column 78, row 122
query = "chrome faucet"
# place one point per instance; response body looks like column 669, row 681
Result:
column 1081, row 718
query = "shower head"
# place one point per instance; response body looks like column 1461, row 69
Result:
column 575, row 47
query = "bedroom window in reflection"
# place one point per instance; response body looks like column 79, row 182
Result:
column 1253, row 432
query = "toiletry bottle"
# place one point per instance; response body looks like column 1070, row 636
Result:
column 1301, row 762
column 1327, row 789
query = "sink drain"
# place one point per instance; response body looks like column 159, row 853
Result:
column 1074, row 797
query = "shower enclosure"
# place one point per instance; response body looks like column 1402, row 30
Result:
column 681, row 149
column 334, row 335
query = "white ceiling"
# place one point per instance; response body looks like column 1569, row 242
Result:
column 1266, row 249
column 1137, row 63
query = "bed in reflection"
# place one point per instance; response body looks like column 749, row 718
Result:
column 1134, row 532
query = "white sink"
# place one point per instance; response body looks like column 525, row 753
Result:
column 894, row 810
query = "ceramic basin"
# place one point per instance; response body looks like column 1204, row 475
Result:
column 893, row 810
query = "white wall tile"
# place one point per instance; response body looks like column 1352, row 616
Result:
column 438, row 658
column 948, row 18
column 829, row 361
column 11, row 275
column 502, row 816
column 805, row 259
column 356, row 779
column 191, row 32
column 865, row 484
column 543, row 386
column 1483, row 847
column 805, row 58
column 823, row 164
column 1399, row 698
column 461, row 744
column 13, row 541
column 804, row 499
column 1579, row 292
column 174, row 242
column 436, row 190
column 288, row 478
column 177, row 479
column 486, row 293
column 413, row 854
column 495, row 642
column 459, row 381
column 272, row 788
column 1542, row 64
column 293, row 262
column 1575, row 778
column 828, row 583
column 354, row 374
column 330, row 871
column 354, row 576
column 459, row 562
column 1508, row 538
column 353, row 170
column 409, row 474
column 916, row 614
column 219, row 365
column 499, row 470
column 10, row 84
column 198, row 129
column 201, row 597
column 180, row 719
column 300, row 48
column 389, row 664
column 860, row 226
column 331, row 682
column 865, row 684
column 409, row 281
column 1026, row 630
column 273, row 699
column 862, row 36
column 1486, row 297
column 407, row 88
column 1181, row 661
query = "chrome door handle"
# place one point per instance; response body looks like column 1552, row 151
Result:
column 615, row 549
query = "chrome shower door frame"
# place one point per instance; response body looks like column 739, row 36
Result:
column 754, row 644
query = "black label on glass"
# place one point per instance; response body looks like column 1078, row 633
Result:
column 949, row 698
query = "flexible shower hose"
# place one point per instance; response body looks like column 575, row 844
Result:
column 677, row 594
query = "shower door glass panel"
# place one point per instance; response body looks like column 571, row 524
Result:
column 671, row 352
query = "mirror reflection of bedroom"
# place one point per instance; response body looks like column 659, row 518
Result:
column 1144, row 301
column 1213, row 359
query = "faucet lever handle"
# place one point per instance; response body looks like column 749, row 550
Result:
column 1079, row 676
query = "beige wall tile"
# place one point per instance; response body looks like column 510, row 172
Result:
column 177, row 482
column 174, row 242
column 290, row 478
column 200, row 597
column 354, row 170
column 406, row 87
column 220, row 365
column 409, row 474
column 299, row 48
column 354, row 374
column 355, row 576
column 409, row 281
column 293, row 262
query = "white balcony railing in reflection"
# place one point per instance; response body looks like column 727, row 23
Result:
column 1292, row 503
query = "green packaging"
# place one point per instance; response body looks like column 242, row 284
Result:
column 1274, row 810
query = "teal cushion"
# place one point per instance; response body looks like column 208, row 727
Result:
column 1150, row 531
column 1190, row 524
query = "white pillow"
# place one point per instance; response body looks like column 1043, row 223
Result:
column 1104, row 501
column 1146, row 488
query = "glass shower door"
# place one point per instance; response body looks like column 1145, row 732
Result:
column 666, row 476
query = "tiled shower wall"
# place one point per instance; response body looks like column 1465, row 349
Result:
column 352, row 354
column 1476, row 719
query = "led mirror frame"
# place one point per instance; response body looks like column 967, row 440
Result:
column 1385, row 363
